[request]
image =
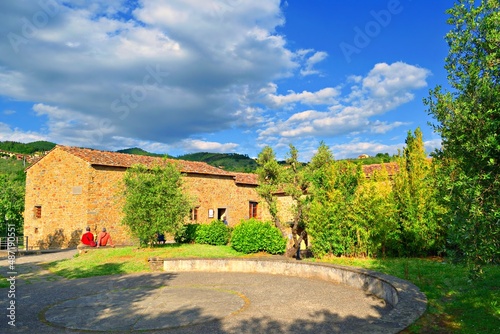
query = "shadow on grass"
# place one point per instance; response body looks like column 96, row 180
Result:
column 167, row 245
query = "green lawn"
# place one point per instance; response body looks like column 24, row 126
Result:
column 455, row 303
column 132, row 260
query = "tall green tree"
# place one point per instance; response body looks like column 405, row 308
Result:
column 154, row 201
column 331, row 197
column 11, row 204
column 468, row 120
column 319, row 173
column 418, row 212
column 374, row 216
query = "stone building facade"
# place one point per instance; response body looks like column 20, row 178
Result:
column 72, row 188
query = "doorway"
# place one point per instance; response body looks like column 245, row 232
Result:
column 221, row 212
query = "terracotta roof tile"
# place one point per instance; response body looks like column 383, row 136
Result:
column 115, row 159
column 246, row 178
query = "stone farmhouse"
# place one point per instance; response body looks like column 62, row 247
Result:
column 71, row 188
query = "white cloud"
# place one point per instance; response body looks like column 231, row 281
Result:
column 383, row 127
column 9, row 134
column 317, row 57
column 165, row 73
column 388, row 80
column 325, row 96
column 432, row 145
column 194, row 145
column 161, row 72
column 384, row 88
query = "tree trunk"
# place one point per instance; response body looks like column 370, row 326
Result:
column 294, row 244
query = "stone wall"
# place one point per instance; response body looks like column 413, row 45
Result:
column 58, row 184
column 220, row 194
column 105, row 203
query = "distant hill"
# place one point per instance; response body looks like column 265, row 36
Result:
column 28, row 148
column 377, row 159
column 140, row 151
column 233, row 162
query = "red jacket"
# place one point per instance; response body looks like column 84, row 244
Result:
column 88, row 239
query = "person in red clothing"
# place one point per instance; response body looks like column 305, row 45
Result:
column 88, row 238
column 103, row 238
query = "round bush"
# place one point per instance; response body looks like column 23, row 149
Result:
column 252, row 236
column 215, row 233
column 187, row 234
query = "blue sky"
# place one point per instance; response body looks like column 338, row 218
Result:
column 178, row 77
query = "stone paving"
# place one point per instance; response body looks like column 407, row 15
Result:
column 184, row 302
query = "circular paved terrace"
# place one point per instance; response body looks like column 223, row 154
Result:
column 183, row 300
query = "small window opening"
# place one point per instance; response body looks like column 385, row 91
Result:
column 253, row 209
column 38, row 211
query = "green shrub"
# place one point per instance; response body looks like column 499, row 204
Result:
column 252, row 236
column 215, row 233
column 187, row 234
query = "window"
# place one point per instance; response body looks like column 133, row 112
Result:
column 37, row 211
column 253, row 210
column 194, row 214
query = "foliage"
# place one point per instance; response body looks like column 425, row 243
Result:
column 11, row 205
column 29, row 148
column 229, row 161
column 216, row 233
column 468, row 121
column 14, row 169
column 154, row 201
column 379, row 158
column 296, row 185
column 186, row 234
column 140, row 151
column 252, row 236
column 373, row 215
column 415, row 195
column 332, row 196
column 271, row 177
column 348, row 215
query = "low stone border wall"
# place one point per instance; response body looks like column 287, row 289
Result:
column 408, row 302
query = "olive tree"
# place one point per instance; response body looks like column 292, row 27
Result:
column 274, row 178
column 154, row 201
column 271, row 177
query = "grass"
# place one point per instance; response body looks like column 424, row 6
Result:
column 455, row 303
column 130, row 260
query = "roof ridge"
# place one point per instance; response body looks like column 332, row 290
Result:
column 119, row 159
